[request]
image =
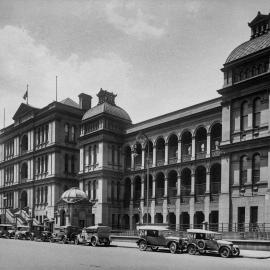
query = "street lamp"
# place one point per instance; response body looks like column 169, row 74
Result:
column 141, row 137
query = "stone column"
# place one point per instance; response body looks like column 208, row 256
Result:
column 132, row 160
column 166, row 153
column 132, row 188
column 154, row 188
column 207, row 187
column 192, row 192
column 179, row 153
column 224, row 198
column 193, row 148
column 143, row 157
column 166, row 186
column 207, row 196
column 142, row 188
column 154, row 156
column 178, row 184
column 208, row 145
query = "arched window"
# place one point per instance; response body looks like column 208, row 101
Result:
column 256, row 164
column 256, row 112
column 66, row 132
column 243, row 170
column 244, row 115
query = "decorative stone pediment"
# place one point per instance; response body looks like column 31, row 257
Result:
column 24, row 111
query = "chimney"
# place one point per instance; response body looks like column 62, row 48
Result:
column 85, row 101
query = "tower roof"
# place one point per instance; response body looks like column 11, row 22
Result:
column 106, row 104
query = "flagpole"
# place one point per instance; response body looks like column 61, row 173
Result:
column 4, row 117
column 27, row 94
column 56, row 88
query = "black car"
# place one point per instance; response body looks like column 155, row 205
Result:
column 65, row 234
column 158, row 236
column 40, row 232
column 7, row 230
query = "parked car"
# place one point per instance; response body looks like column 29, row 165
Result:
column 23, row 232
column 94, row 235
column 65, row 234
column 204, row 241
column 7, row 230
column 40, row 232
column 159, row 236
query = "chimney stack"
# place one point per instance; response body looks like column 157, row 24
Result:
column 85, row 101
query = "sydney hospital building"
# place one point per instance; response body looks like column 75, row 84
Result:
column 208, row 162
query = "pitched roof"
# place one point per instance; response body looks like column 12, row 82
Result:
column 70, row 102
column 23, row 110
column 249, row 47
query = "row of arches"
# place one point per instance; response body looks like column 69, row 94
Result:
column 186, row 138
column 160, row 191
column 184, row 220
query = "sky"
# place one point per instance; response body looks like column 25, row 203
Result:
column 157, row 56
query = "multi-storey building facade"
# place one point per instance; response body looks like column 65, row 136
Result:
column 206, row 163
column 39, row 158
column 209, row 162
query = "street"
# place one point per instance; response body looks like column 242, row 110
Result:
column 19, row 254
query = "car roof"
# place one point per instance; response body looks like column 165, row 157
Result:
column 201, row 231
column 149, row 227
column 96, row 227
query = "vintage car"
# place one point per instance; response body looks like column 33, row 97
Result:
column 65, row 234
column 40, row 232
column 23, row 232
column 203, row 241
column 94, row 235
column 159, row 236
column 7, row 230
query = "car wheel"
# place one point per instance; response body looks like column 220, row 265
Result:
column 76, row 241
column 94, row 241
column 173, row 247
column 191, row 250
column 142, row 246
column 236, row 252
column 154, row 248
column 224, row 252
column 201, row 244
column 64, row 240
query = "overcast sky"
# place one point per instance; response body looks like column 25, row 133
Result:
column 157, row 56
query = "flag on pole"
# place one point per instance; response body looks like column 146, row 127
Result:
column 25, row 96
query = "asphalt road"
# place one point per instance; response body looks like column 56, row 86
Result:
column 19, row 254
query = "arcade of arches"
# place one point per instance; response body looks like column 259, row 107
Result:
column 174, row 196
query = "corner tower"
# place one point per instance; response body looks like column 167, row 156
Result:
column 245, row 133
column 101, row 162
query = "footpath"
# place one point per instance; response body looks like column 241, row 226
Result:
column 255, row 254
